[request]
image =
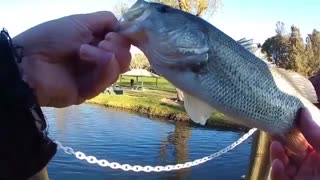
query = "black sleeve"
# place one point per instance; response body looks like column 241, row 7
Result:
column 25, row 145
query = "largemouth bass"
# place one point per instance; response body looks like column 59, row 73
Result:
column 217, row 73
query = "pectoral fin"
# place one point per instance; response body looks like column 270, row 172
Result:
column 198, row 111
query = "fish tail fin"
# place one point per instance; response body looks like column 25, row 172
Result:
column 295, row 142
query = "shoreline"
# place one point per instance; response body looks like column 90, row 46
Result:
column 162, row 110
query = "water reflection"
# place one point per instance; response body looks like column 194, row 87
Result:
column 128, row 138
column 61, row 117
column 179, row 139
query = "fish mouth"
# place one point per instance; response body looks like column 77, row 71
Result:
column 129, row 21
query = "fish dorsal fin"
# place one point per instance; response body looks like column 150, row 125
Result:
column 198, row 111
column 252, row 48
column 300, row 83
column 247, row 44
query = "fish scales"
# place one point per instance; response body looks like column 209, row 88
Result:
column 217, row 73
column 240, row 86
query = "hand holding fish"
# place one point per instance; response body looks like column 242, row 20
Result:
column 301, row 166
column 71, row 59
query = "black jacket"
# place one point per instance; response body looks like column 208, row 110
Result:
column 25, row 147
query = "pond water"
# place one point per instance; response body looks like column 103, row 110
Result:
column 128, row 138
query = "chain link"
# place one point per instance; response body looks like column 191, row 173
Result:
column 138, row 168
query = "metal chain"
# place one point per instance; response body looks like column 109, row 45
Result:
column 138, row 168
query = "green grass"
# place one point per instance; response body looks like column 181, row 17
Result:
column 148, row 83
column 148, row 102
column 157, row 103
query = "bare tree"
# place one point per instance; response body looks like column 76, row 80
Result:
column 120, row 8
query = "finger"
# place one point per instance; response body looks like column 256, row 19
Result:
column 99, row 23
column 278, row 170
column 291, row 170
column 297, row 159
column 103, row 74
column 277, row 151
column 118, row 39
column 122, row 54
column 315, row 80
column 311, row 165
column 310, row 129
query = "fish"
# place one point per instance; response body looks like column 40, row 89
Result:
column 219, row 74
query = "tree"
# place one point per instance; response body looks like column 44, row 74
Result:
column 119, row 9
column 197, row 7
column 280, row 28
column 277, row 47
column 172, row 3
column 139, row 61
column 296, row 50
column 311, row 64
column 289, row 51
column 313, row 40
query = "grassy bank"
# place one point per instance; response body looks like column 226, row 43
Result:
column 149, row 83
column 156, row 102
column 153, row 103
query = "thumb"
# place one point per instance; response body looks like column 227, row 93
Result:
column 99, row 23
column 310, row 129
column 99, row 70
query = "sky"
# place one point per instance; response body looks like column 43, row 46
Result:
column 253, row 19
column 257, row 19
